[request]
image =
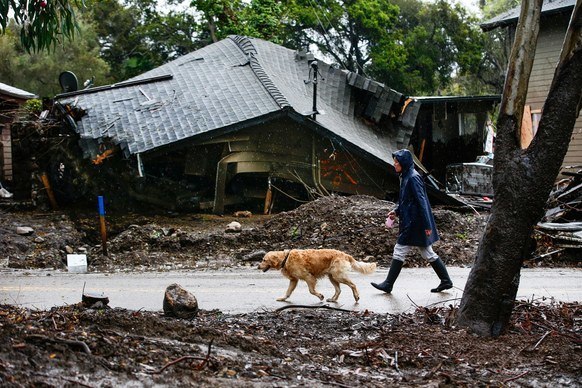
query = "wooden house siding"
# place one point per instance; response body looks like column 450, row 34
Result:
column 548, row 50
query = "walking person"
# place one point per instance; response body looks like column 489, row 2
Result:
column 417, row 229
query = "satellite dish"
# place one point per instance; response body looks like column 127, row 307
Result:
column 68, row 81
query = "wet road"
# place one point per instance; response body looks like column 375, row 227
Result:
column 247, row 290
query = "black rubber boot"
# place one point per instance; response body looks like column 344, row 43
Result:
column 393, row 273
column 441, row 271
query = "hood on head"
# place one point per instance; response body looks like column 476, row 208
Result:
column 404, row 157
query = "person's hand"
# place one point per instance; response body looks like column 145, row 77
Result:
column 428, row 232
column 392, row 215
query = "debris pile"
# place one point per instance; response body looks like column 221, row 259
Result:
column 76, row 346
column 561, row 227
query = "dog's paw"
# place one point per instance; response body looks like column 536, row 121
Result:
column 332, row 300
column 282, row 299
column 320, row 296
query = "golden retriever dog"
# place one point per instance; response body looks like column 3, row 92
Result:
column 312, row 264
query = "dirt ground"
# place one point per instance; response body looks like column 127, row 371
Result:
column 79, row 346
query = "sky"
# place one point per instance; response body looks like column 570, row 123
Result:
column 471, row 5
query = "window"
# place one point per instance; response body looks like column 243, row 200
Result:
column 468, row 124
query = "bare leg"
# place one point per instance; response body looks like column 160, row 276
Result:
column 290, row 289
column 336, row 285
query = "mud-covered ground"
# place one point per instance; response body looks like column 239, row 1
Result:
column 168, row 241
column 79, row 346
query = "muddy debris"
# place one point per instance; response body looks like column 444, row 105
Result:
column 167, row 241
column 76, row 346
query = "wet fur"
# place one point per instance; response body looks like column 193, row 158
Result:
column 310, row 265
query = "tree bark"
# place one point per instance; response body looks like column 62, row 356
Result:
column 522, row 179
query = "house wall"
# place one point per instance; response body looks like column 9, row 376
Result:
column 5, row 153
column 548, row 50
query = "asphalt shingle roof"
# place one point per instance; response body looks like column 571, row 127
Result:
column 226, row 83
column 512, row 16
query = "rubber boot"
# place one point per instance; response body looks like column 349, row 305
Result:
column 393, row 273
column 441, row 271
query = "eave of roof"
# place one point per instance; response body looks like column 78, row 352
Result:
column 434, row 99
column 510, row 17
column 11, row 91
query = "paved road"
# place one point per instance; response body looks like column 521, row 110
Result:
column 247, row 290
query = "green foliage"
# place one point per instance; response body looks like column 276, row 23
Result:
column 38, row 72
column 439, row 41
column 41, row 23
column 33, row 105
column 265, row 19
column 135, row 37
column 496, row 7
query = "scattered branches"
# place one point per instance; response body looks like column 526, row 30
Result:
column 303, row 306
column 201, row 365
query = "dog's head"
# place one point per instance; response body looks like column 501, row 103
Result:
column 272, row 259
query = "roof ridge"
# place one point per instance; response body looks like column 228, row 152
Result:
column 247, row 47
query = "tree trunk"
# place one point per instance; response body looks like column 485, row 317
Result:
column 522, row 179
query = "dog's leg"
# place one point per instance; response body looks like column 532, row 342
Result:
column 290, row 289
column 311, row 284
column 351, row 285
column 336, row 285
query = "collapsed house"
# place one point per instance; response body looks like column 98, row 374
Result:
column 245, row 121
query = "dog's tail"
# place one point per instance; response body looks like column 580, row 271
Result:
column 362, row 267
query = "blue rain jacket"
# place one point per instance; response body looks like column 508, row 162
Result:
column 413, row 208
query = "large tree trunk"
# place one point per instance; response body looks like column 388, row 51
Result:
column 523, row 179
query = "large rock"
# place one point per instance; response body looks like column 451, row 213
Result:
column 179, row 303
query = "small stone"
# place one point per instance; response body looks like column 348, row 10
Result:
column 24, row 230
column 39, row 240
column 233, row 227
column 69, row 249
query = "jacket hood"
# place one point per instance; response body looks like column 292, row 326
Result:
column 404, row 157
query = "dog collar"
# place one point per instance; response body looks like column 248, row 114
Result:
column 285, row 259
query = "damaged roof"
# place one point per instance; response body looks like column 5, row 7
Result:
column 512, row 16
column 232, row 84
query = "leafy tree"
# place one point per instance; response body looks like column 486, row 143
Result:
column 522, row 179
column 136, row 37
column 41, row 23
column 219, row 17
column 441, row 40
column 491, row 8
column 353, row 33
column 411, row 45
column 265, row 19
column 38, row 72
